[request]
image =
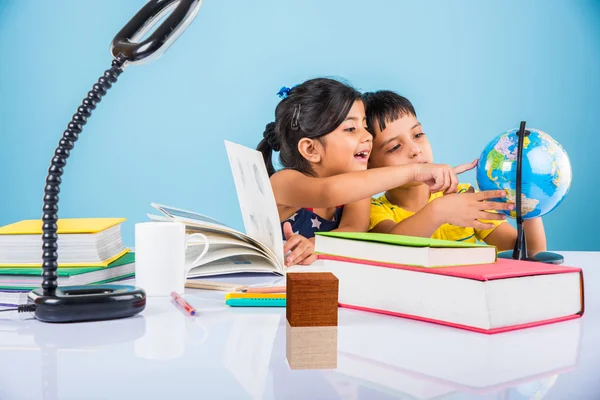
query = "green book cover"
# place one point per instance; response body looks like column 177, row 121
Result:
column 125, row 259
column 28, row 288
column 399, row 240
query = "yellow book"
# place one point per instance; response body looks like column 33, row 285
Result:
column 91, row 242
column 65, row 225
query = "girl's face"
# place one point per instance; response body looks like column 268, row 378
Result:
column 348, row 147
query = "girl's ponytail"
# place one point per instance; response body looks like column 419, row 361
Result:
column 268, row 145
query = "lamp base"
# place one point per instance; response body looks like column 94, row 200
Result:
column 543, row 256
column 88, row 303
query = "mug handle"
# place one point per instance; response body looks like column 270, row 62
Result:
column 203, row 251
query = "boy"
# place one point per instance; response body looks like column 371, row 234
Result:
column 412, row 210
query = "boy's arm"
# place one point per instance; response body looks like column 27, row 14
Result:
column 505, row 236
column 535, row 236
column 466, row 209
column 423, row 223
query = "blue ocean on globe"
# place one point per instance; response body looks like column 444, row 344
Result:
column 546, row 171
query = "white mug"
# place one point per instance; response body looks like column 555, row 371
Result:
column 160, row 266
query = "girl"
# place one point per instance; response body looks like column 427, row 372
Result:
column 321, row 136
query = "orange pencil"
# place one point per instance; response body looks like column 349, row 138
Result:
column 180, row 300
column 269, row 289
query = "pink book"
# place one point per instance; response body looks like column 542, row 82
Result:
column 487, row 298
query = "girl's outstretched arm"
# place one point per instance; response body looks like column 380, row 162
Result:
column 294, row 189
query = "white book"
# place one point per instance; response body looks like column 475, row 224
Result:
column 489, row 298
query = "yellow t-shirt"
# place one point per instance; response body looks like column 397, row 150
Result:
column 382, row 209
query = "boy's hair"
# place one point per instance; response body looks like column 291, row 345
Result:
column 385, row 106
column 309, row 110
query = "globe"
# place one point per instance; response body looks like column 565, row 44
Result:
column 546, row 171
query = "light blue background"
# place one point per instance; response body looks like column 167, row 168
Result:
column 472, row 69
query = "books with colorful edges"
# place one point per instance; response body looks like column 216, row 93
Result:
column 82, row 242
column 16, row 282
column 405, row 250
column 487, row 298
column 30, row 278
column 255, row 299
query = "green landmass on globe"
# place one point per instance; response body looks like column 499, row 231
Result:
column 546, row 171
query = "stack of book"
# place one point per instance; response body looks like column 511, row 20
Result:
column 90, row 251
column 457, row 284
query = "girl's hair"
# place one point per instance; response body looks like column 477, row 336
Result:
column 309, row 110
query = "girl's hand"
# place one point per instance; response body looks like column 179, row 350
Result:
column 441, row 177
column 302, row 249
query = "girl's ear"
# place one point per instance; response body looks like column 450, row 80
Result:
column 310, row 149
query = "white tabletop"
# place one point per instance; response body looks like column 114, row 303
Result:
column 252, row 353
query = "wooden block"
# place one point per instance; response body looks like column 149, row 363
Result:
column 312, row 299
column 313, row 347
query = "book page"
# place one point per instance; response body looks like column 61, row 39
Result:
column 189, row 216
column 237, row 264
column 217, row 253
column 217, row 234
column 255, row 195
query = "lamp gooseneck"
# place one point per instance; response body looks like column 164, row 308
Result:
column 53, row 180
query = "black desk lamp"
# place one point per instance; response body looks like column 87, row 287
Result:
column 520, row 250
column 101, row 302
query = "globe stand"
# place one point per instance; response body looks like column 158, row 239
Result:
column 520, row 250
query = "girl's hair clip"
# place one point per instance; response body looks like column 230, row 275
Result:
column 285, row 91
column 296, row 118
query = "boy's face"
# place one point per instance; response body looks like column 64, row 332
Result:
column 401, row 142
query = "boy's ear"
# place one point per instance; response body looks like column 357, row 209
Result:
column 310, row 149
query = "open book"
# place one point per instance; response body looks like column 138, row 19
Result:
column 260, row 248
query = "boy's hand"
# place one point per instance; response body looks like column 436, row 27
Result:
column 441, row 177
column 301, row 247
column 466, row 209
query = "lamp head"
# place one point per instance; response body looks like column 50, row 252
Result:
column 127, row 42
